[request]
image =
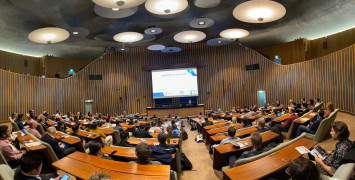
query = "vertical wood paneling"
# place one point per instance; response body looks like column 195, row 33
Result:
column 126, row 87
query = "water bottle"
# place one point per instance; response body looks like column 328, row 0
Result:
column 162, row 130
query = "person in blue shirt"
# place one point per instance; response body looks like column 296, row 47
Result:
column 312, row 126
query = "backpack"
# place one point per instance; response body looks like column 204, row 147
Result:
column 184, row 134
column 193, row 125
column 185, row 163
column 199, row 138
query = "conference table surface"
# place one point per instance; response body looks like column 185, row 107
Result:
column 212, row 132
column 128, row 153
column 152, row 142
column 269, row 164
column 66, row 139
column 239, row 133
column 82, row 165
column 31, row 148
column 86, row 134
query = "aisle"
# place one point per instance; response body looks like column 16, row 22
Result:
column 199, row 157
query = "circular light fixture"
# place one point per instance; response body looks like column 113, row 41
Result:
column 207, row 3
column 153, row 30
column 219, row 42
column 171, row 50
column 128, row 37
column 48, row 35
column 189, row 36
column 75, row 33
column 234, row 33
column 259, row 11
column 166, row 7
column 156, row 47
column 122, row 4
column 114, row 14
column 201, row 23
column 115, row 9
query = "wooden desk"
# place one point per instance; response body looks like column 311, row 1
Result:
column 216, row 139
column 222, row 152
column 51, row 123
column 219, row 130
column 279, row 119
column 300, row 121
column 152, row 141
column 268, row 164
column 218, row 125
column 70, row 141
column 82, row 165
column 32, row 148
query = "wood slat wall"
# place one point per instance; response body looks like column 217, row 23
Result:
column 125, row 86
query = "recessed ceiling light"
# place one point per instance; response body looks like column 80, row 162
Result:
column 122, row 4
column 166, row 7
column 234, row 33
column 122, row 49
column 201, row 23
column 48, row 35
column 219, row 42
column 115, row 9
column 153, row 30
column 75, row 32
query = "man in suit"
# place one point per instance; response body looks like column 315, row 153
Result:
column 143, row 132
column 162, row 141
column 206, row 123
column 124, row 137
column 59, row 151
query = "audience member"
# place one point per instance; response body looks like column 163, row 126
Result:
column 31, row 114
column 143, row 153
column 12, row 156
column 95, row 129
column 76, row 129
column 331, row 163
column 42, row 121
column 330, row 109
column 59, row 151
column 19, row 121
column 162, row 141
column 313, row 125
column 304, row 109
column 99, row 176
column 206, row 123
column 124, row 135
column 33, row 125
column 261, row 125
column 169, row 131
column 14, row 116
column 317, row 101
column 284, row 126
column 143, row 132
column 303, row 169
column 246, row 116
column 230, row 138
column 311, row 104
column 278, row 103
column 95, row 150
column 118, row 127
column 154, row 127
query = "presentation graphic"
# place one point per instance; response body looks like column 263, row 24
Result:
column 174, row 83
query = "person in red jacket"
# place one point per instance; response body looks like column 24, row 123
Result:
column 284, row 126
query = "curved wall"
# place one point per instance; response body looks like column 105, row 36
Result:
column 223, row 82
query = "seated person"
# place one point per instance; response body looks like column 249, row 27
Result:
column 33, row 125
column 234, row 120
column 14, row 116
column 276, row 115
column 206, row 123
column 330, row 109
column 256, row 141
column 304, row 110
column 162, row 141
column 246, row 116
column 154, row 127
column 31, row 113
column 59, row 151
column 30, row 168
column 261, row 125
column 61, row 126
column 95, row 150
column 19, row 121
column 175, row 130
column 95, row 129
column 143, row 132
column 284, row 126
column 312, row 126
column 230, row 138
column 303, row 169
column 278, row 103
column 263, row 113
column 143, row 153
column 311, row 104
column 124, row 135
column 99, row 176
column 118, row 127
column 42, row 121
column 331, row 163
column 170, row 134
column 76, row 129
column 12, row 156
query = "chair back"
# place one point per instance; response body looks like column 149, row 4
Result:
column 318, row 107
column 344, row 171
column 6, row 173
column 2, row 159
column 115, row 136
column 14, row 126
column 40, row 129
column 325, row 127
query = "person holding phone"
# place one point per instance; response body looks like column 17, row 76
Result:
column 49, row 138
column 30, row 169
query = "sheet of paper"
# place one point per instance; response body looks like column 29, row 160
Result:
column 302, row 150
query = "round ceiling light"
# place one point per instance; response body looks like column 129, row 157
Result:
column 201, row 23
column 166, row 7
column 259, row 11
column 48, row 35
column 189, row 36
column 171, row 50
column 110, row 13
column 153, row 30
column 219, row 42
column 156, row 47
column 121, row 4
column 207, row 3
column 128, row 37
column 234, row 33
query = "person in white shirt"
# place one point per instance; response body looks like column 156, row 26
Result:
column 231, row 138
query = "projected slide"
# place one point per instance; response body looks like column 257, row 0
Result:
column 174, row 83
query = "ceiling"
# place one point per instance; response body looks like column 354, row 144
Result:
column 304, row 18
